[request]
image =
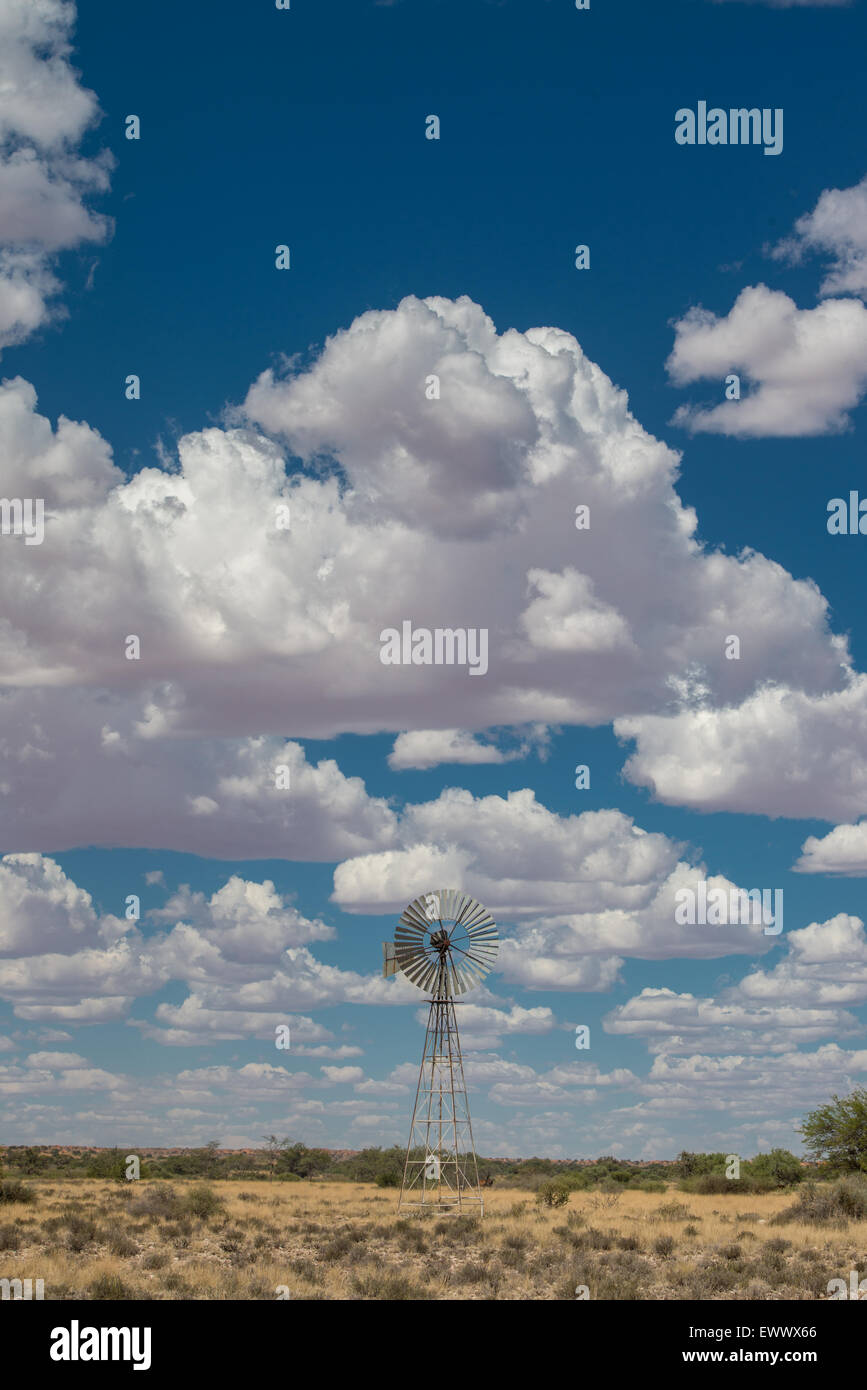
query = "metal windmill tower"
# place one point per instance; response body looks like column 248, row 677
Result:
column 446, row 942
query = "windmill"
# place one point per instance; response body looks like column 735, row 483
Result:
column 446, row 942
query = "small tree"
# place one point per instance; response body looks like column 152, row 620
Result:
column 838, row 1131
column 779, row 1167
column 691, row 1165
column 111, row 1163
column 274, row 1147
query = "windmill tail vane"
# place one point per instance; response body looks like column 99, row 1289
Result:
column 445, row 944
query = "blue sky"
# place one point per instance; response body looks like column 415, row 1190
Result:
column 307, row 128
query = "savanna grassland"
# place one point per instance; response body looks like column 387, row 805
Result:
column 92, row 1239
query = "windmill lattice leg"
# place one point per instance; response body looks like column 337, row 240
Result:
column 440, row 1170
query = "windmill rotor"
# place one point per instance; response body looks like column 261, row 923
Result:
column 446, row 942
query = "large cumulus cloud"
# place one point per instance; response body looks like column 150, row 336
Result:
column 457, row 512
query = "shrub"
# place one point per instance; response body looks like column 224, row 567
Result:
column 779, row 1168
column 202, row 1202
column 111, row 1163
column 111, row 1287
column 709, row 1184
column 157, row 1201
column 121, row 1245
column 337, row 1248
column 691, row 1165
column 663, row 1246
column 711, row 1279
column 13, row 1191
column 389, row 1288
column 553, row 1194
column 80, row 1231
column 673, row 1211
column 845, row 1201
column 175, row 1283
column 10, row 1239
column 618, row 1275
column 777, row 1246
column 413, row 1240
column 592, row 1239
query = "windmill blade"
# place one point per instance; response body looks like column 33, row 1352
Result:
column 456, row 981
column 478, row 923
column 431, row 975
column 480, row 926
column 419, row 910
column 468, row 976
column 413, row 968
column 452, row 902
column 482, row 959
column 412, row 927
column 465, row 904
column 406, row 941
column 414, row 964
column 461, row 981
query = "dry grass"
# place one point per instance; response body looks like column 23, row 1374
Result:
column 153, row 1240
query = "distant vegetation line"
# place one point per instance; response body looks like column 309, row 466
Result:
column 835, row 1134
column 293, row 1162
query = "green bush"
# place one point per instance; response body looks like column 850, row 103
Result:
column 203, row 1202
column 553, row 1194
column 845, row 1201
column 779, row 1168
column 717, row 1184
column 838, row 1131
column 691, row 1165
column 707, row 1184
column 13, row 1191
